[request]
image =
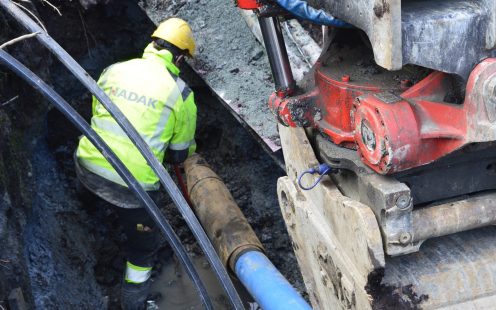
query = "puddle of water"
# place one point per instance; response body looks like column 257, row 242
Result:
column 178, row 292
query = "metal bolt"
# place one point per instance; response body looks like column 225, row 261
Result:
column 318, row 116
column 405, row 238
column 368, row 136
column 403, row 201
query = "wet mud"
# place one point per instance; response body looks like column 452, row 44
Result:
column 177, row 291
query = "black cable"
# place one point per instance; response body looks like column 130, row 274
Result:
column 69, row 112
column 135, row 137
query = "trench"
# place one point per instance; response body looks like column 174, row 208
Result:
column 64, row 250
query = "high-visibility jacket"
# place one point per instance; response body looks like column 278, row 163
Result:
column 158, row 104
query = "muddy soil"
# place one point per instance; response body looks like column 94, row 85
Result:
column 66, row 251
column 49, row 243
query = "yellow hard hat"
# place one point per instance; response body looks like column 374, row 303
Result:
column 178, row 33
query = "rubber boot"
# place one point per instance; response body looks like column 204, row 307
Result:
column 134, row 296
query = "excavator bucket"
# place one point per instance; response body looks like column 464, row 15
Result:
column 338, row 244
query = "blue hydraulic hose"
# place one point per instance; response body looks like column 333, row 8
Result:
column 302, row 10
column 266, row 284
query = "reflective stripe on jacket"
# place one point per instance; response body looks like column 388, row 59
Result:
column 159, row 105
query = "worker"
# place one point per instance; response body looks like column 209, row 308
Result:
column 161, row 107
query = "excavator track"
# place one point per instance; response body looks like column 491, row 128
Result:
column 452, row 272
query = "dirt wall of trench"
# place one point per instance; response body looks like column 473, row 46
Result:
column 49, row 244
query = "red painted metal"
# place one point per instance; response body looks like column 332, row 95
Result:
column 334, row 102
column 409, row 133
column 280, row 109
column 248, row 4
column 397, row 132
column 327, row 107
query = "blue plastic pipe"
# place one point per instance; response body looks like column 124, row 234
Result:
column 302, row 10
column 266, row 284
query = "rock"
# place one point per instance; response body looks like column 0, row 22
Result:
column 257, row 55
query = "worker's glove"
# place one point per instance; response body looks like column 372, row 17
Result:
column 175, row 157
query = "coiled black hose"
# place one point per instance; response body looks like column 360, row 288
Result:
column 135, row 137
column 121, row 169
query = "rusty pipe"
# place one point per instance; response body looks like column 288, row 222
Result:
column 223, row 221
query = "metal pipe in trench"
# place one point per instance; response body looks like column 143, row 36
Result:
column 235, row 241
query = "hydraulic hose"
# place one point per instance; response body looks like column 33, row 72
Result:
column 304, row 11
column 138, row 141
column 182, row 184
column 69, row 112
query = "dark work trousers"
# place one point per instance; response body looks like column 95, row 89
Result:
column 143, row 237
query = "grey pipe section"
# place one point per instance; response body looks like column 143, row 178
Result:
column 453, row 217
column 278, row 56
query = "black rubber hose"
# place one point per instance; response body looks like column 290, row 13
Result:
column 121, row 169
column 135, row 137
